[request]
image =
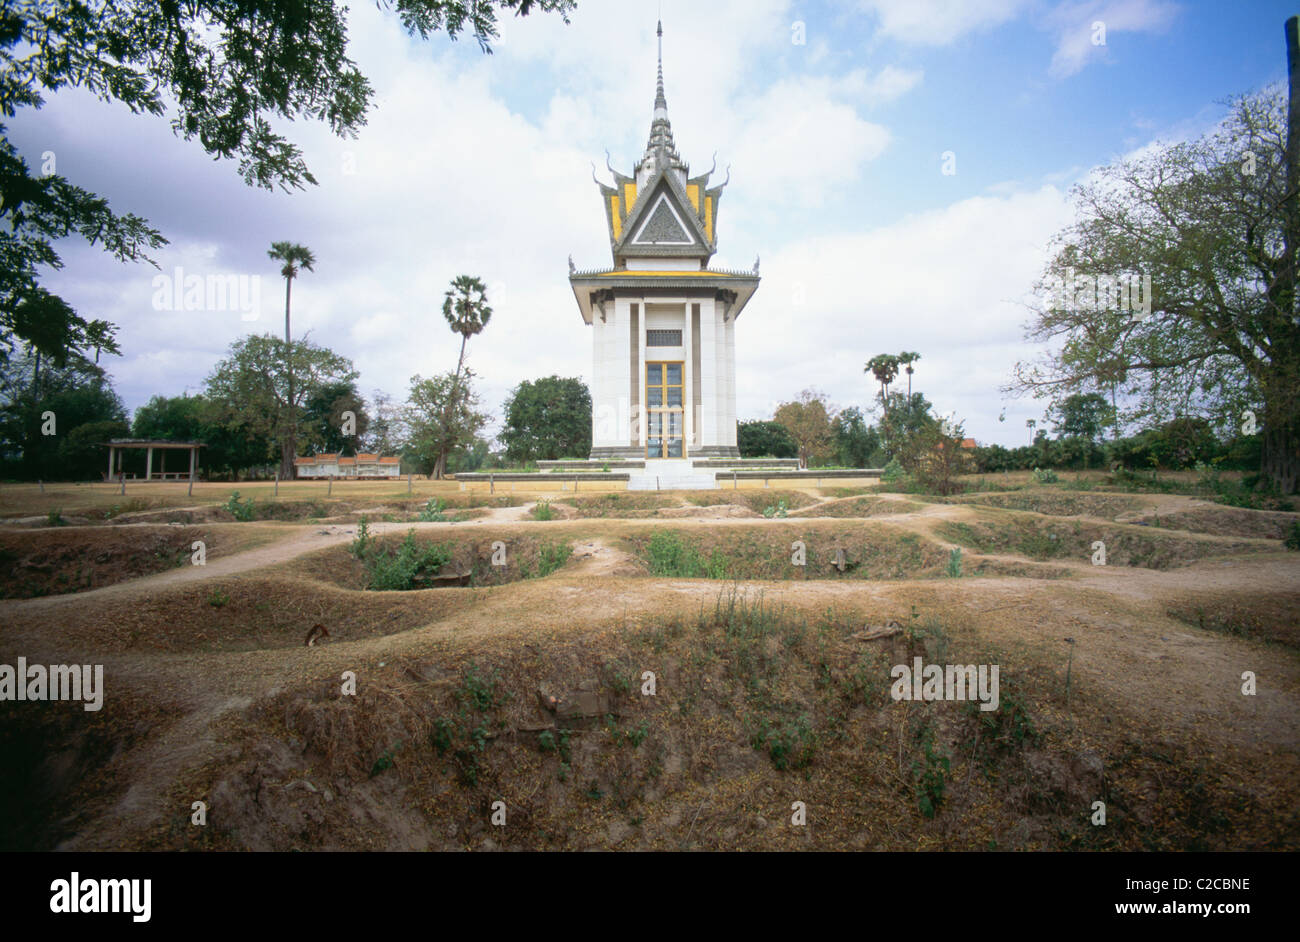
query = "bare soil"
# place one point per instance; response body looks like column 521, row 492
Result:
column 1120, row 683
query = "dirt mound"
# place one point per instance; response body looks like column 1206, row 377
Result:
column 712, row 512
column 58, row 561
column 861, row 507
column 752, row 709
column 1056, row 503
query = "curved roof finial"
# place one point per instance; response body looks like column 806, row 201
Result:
column 593, row 175
column 608, row 167
column 728, row 180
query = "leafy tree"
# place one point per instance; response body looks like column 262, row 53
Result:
column 856, row 442
column 808, row 420
column 885, row 368
column 70, row 396
column 1217, row 234
column 82, row 455
column 547, row 419
column 442, row 415
column 758, row 439
column 902, row 418
column 323, row 418
column 227, row 72
column 228, row 449
column 467, row 312
column 251, row 387
column 386, row 431
column 1082, row 415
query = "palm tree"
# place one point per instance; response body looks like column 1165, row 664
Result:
column 885, row 368
column 295, row 257
column 467, row 313
column 906, row 359
column 1029, row 424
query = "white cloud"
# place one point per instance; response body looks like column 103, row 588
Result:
column 938, row 22
column 1076, row 27
column 951, row 284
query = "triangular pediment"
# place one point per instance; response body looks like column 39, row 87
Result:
column 663, row 226
column 663, row 221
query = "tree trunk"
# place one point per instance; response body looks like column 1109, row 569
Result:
column 440, row 466
column 289, row 443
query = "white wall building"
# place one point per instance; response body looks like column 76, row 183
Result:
column 663, row 322
column 337, row 466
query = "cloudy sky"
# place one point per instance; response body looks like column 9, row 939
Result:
column 834, row 117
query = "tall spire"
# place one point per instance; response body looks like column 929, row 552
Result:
column 660, row 148
column 661, row 103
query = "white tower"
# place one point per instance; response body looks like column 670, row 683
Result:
column 663, row 323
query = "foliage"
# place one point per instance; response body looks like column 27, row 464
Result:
column 437, row 425
column 542, row 510
column 240, row 510
column 322, row 419
column 669, row 556
column 1213, row 330
column 1292, row 541
column 433, row 511
column 1045, row 476
column 759, row 439
column 252, row 388
column 929, row 773
column 807, row 419
column 547, row 419
column 954, row 563
column 856, row 444
column 400, row 570
column 227, row 74
column 1083, row 415
column 79, row 396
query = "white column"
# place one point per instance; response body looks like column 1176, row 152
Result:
column 148, row 464
column 640, row 377
column 688, row 380
column 111, row 453
column 708, row 373
column 728, row 435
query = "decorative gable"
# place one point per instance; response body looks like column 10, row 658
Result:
column 664, row 227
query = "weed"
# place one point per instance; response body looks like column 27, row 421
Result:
column 790, row 745
column 551, row 556
column 433, row 511
column 954, row 563
column 240, row 510
column 55, row 518
column 780, row 510
column 400, row 571
column 1292, row 541
column 929, row 773
column 1045, row 476
column 385, row 760
column 543, row 510
column 217, row 598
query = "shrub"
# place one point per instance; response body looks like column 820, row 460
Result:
column 433, row 511
column 893, row 472
column 55, row 518
column 1045, row 476
column 954, row 563
column 1292, row 541
column 240, row 510
column 542, row 510
column 397, row 572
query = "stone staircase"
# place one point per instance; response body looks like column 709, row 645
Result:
column 670, row 474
